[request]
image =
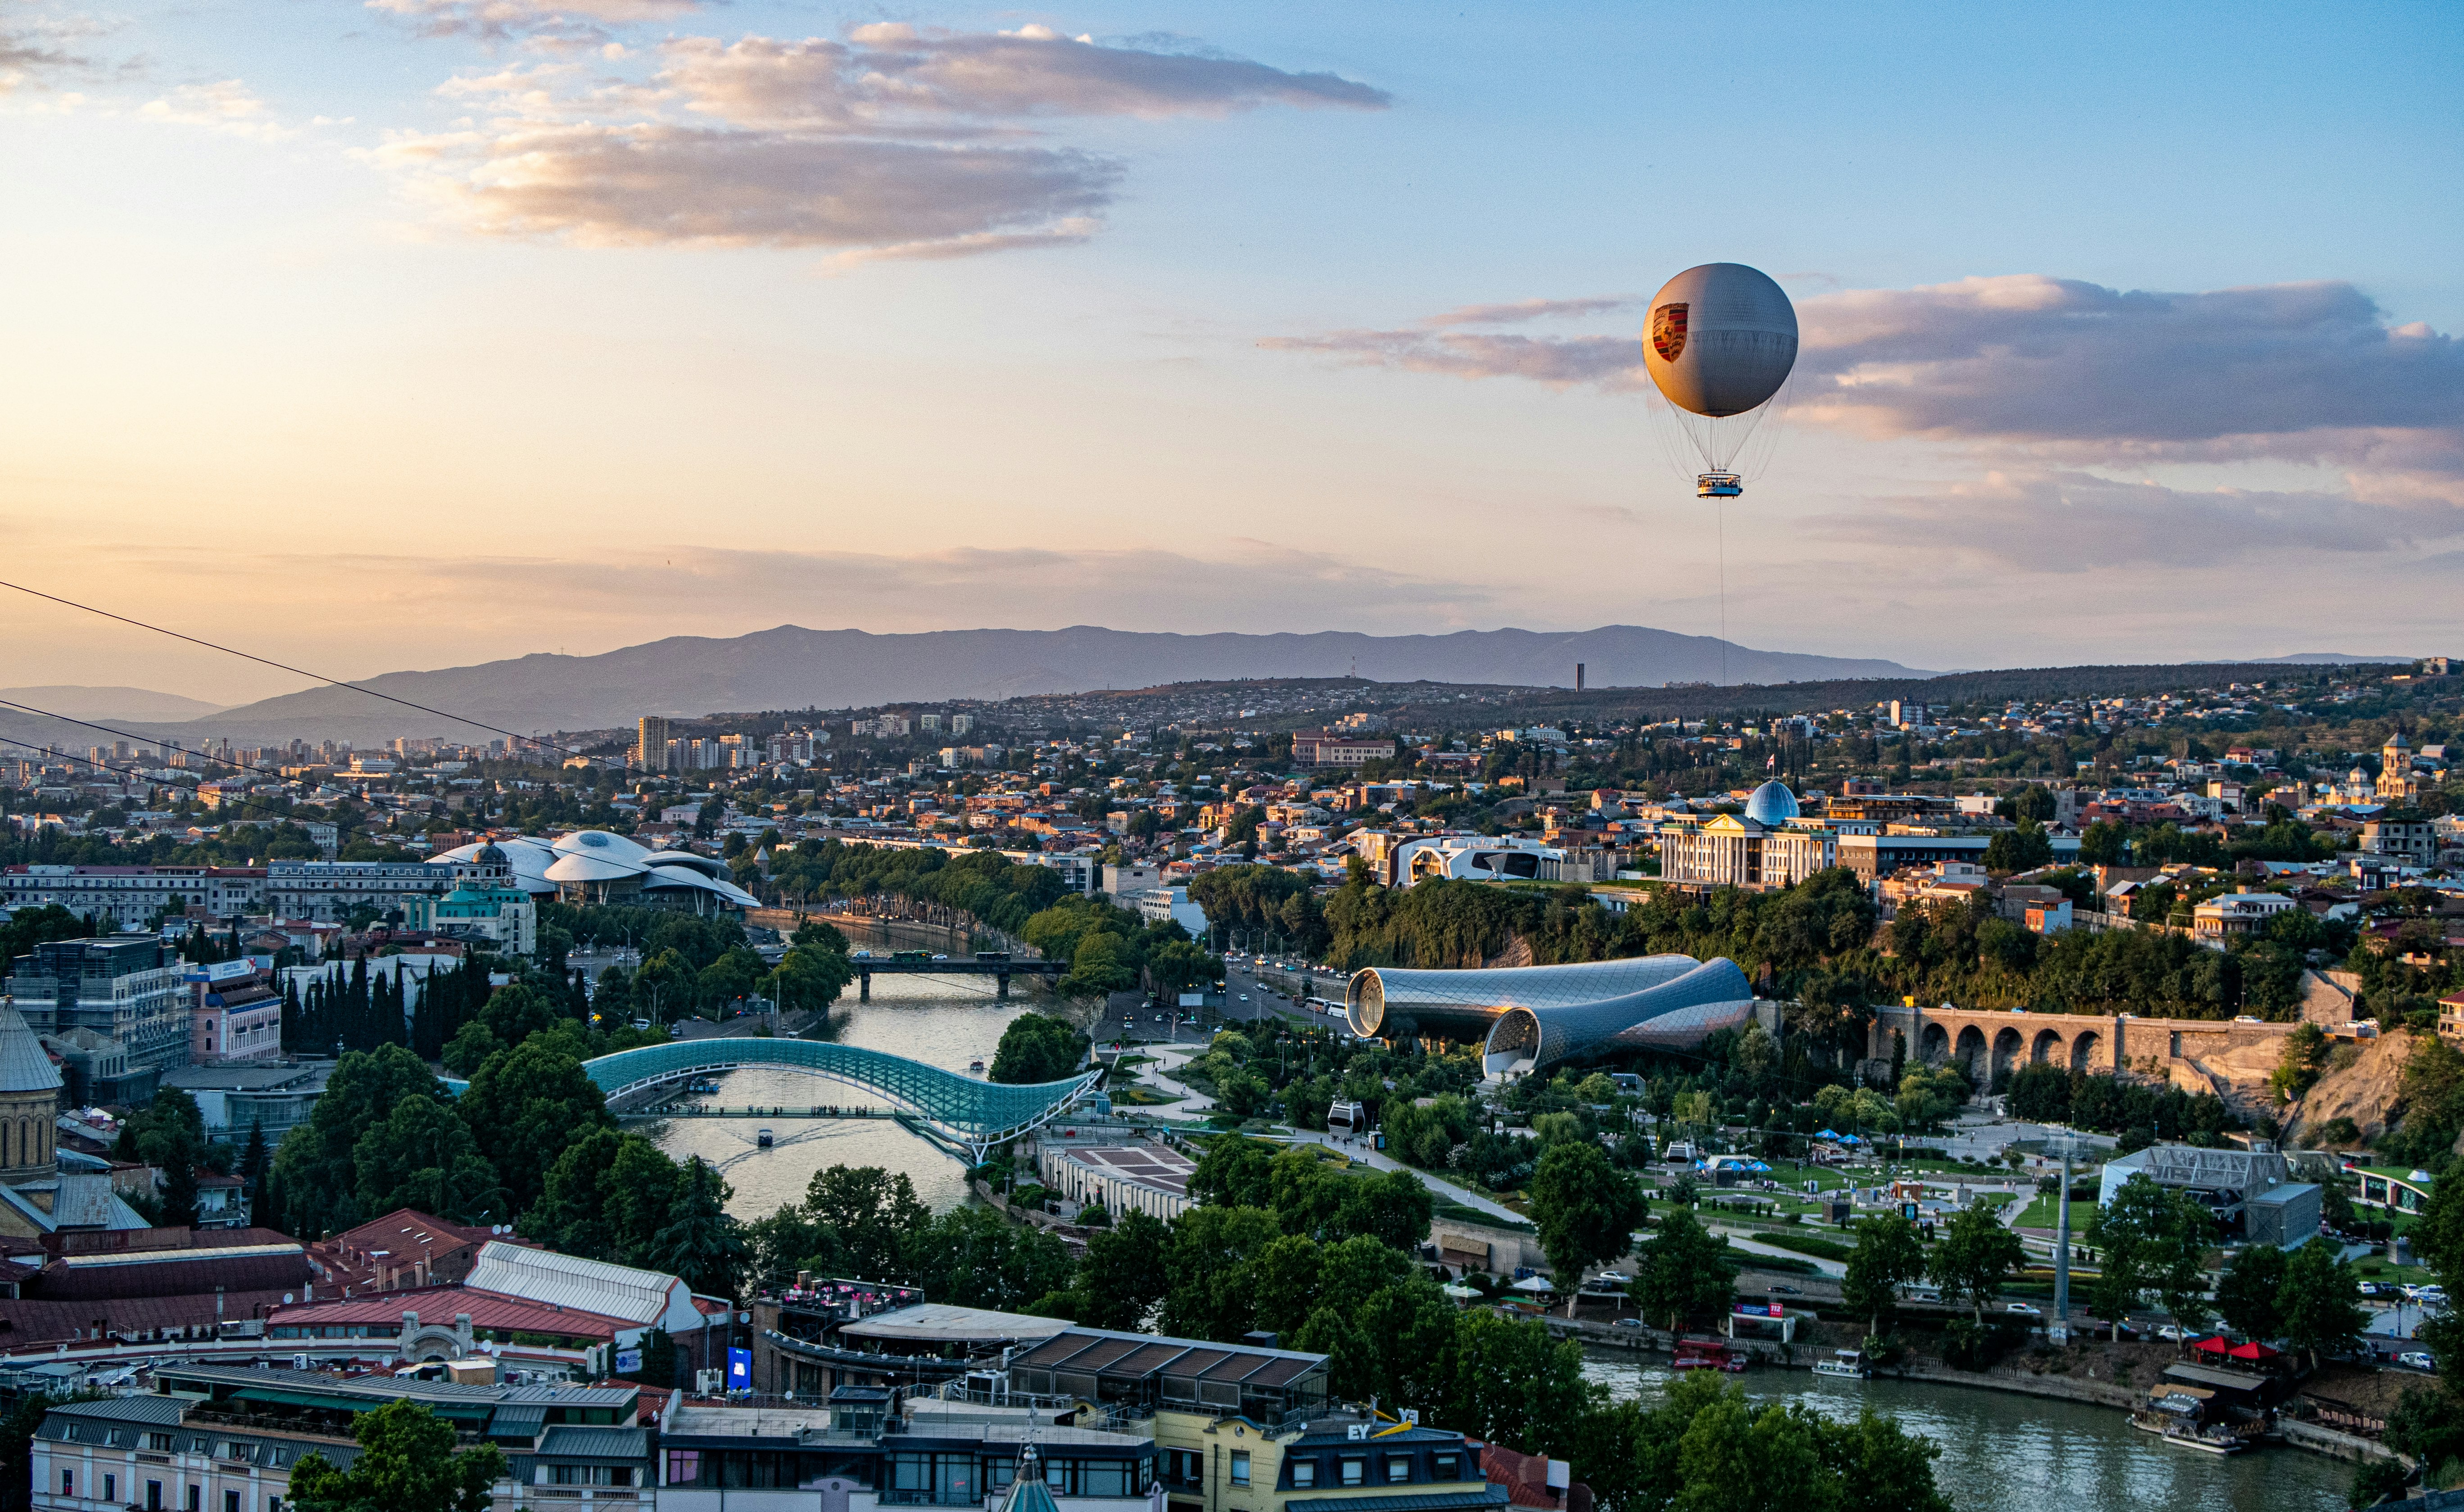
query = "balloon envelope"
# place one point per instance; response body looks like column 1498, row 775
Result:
column 1720, row 338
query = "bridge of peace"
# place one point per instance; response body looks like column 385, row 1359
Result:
column 1988, row 1042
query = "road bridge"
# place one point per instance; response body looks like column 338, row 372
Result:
column 963, row 1114
column 1000, row 969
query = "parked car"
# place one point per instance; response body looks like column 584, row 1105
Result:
column 1626, row 1323
column 2027, row 1307
column 1785, row 1291
column 2416, row 1360
column 2370, row 1288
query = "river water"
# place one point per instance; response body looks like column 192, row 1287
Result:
column 2002, row 1452
column 941, row 1022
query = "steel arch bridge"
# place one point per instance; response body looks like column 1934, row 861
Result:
column 958, row 1111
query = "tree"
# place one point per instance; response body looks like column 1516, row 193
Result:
column 2149, row 1237
column 811, row 975
column 1685, row 1269
column 315, row 1169
column 1974, row 1257
column 1103, row 964
column 2322, row 1302
column 1208, row 1262
column 1586, row 1210
column 423, row 1157
column 169, row 1134
column 1122, row 1275
column 787, row 1241
column 699, row 1242
column 872, row 1210
column 975, row 1258
column 1511, row 1383
column 525, row 1105
column 406, row 1463
column 2248, row 1294
column 1235, row 1170
column 1889, row 1254
column 1037, row 1047
column 514, row 1012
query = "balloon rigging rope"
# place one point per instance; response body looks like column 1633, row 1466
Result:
column 1720, row 514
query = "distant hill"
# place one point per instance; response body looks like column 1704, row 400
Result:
column 141, row 704
column 793, row 668
column 2326, row 659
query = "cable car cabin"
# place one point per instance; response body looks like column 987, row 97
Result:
column 1719, row 486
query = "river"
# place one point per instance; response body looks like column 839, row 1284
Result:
column 944, row 1022
column 2002, row 1452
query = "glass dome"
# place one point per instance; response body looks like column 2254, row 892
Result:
column 1771, row 804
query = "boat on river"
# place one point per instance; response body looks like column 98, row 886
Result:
column 2186, row 1434
column 1844, row 1365
column 761, row 1139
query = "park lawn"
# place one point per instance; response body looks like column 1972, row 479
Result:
column 2044, row 1211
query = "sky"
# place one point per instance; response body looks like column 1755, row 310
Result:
column 418, row 333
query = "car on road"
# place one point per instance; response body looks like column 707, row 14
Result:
column 1245, row 996
column 1785, row 1291
column 2027, row 1307
column 2416, row 1360
column 1626, row 1323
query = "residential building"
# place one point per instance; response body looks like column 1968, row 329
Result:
column 2238, row 913
column 332, row 891
column 1736, row 851
column 217, row 1438
column 2451, row 1019
column 2401, row 835
column 506, row 917
column 1158, row 905
column 117, row 1006
column 234, row 1014
column 128, row 899
column 1328, row 748
column 650, row 748
column 405, row 1248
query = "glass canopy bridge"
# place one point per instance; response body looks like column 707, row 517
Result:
column 961, row 1114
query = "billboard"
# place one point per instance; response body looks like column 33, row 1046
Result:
column 739, row 1370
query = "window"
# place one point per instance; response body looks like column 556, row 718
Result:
column 1445, row 1467
column 160, row 1443
column 1184, row 1467
column 231, row 1502
column 1398, row 1468
column 153, row 1495
column 196, row 1498
column 1239, row 1467
column 68, row 1483
column 1354, row 1472
column 1303, row 1472
column 111, row 1488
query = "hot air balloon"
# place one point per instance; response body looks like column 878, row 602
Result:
column 1721, row 342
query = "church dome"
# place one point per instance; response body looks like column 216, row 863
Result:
column 490, row 854
column 1772, row 803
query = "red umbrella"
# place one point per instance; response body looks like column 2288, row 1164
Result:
column 2253, row 1351
column 2217, row 1345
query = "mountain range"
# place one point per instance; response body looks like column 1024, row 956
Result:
column 792, row 668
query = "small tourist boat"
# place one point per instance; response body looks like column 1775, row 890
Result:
column 975, row 1067
column 1844, row 1365
column 761, row 1139
column 701, row 1083
column 2187, row 1434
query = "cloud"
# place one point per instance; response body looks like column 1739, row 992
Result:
column 34, row 52
column 229, row 107
column 892, row 144
column 575, row 20
column 1521, row 309
column 2287, row 371
column 652, row 183
column 2068, row 522
column 1609, row 362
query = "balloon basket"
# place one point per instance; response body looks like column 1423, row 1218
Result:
column 1718, row 486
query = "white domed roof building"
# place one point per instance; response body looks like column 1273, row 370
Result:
column 1772, row 805
column 593, row 865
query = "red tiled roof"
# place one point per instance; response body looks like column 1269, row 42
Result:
column 26, row 1321
column 488, row 1309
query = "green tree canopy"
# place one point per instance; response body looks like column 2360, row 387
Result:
column 1974, row 1257
column 1586, row 1209
column 524, row 1106
column 1037, row 1047
column 406, row 1462
column 1685, row 1270
column 1889, row 1255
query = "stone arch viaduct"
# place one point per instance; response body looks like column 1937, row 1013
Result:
column 1987, row 1044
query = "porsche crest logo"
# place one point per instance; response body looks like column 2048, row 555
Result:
column 1668, row 331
